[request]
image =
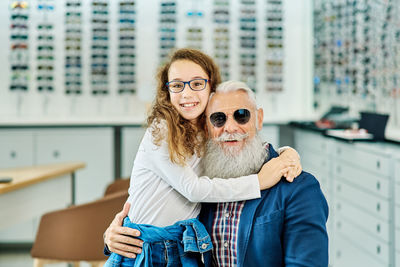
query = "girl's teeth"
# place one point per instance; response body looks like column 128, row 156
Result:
column 188, row 105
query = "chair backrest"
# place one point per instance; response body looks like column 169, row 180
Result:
column 118, row 185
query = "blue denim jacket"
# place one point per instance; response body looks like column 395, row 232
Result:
column 189, row 236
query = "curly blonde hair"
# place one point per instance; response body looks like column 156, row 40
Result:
column 184, row 138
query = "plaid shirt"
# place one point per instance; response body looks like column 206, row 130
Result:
column 224, row 233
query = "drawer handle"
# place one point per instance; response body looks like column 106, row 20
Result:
column 338, row 188
column 378, row 164
column 13, row 154
column 378, row 249
column 338, row 206
column 56, row 153
column 339, row 224
column 378, row 206
column 338, row 169
column 338, row 150
column 378, row 185
column 378, row 228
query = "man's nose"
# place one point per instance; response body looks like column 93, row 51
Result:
column 231, row 126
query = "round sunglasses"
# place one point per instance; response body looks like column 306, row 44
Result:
column 241, row 116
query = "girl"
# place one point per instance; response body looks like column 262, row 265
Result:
column 165, row 189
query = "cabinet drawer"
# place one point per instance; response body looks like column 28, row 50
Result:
column 372, row 246
column 306, row 141
column 373, row 205
column 311, row 141
column 397, row 193
column 16, row 148
column 94, row 146
column 397, row 217
column 363, row 220
column 398, row 243
column 318, row 160
column 348, row 255
column 363, row 179
column 364, row 159
column 397, row 171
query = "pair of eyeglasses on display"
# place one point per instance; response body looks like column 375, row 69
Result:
column 45, row 37
column 45, row 7
column 126, row 91
column 127, row 38
column 100, row 92
column 127, row 4
column 45, row 67
column 19, row 5
column 128, row 81
column 221, row 12
column 16, row 17
column 45, row 27
column 73, row 92
column 48, row 88
column 44, row 78
column 194, row 13
column 221, row 3
column 15, row 87
column 127, row 46
column 19, row 67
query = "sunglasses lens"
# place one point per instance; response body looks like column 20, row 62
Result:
column 218, row 119
column 242, row 116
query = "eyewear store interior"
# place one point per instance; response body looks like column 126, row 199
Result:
column 79, row 77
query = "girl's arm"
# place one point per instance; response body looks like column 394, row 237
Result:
column 203, row 189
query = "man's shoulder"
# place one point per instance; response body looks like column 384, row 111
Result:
column 304, row 182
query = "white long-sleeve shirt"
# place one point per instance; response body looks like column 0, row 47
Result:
column 162, row 193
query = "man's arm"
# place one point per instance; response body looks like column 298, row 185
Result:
column 305, row 239
column 122, row 240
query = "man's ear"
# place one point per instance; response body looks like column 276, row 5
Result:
column 260, row 118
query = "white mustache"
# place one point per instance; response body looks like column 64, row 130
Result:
column 231, row 137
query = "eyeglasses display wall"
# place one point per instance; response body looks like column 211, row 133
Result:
column 221, row 19
column 73, row 45
column 127, row 48
column 45, row 46
column 167, row 28
column 195, row 18
column 275, row 52
column 357, row 45
column 248, row 42
column 19, row 41
column 102, row 51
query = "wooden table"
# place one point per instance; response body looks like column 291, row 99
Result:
column 36, row 190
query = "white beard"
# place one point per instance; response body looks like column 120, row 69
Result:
column 233, row 162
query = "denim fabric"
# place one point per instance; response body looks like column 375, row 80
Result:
column 175, row 245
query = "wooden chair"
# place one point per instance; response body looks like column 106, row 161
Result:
column 75, row 234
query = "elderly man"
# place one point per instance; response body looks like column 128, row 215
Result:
column 286, row 226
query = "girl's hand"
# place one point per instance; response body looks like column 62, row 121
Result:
column 290, row 156
column 272, row 172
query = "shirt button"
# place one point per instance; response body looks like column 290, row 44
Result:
column 204, row 245
column 227, row 214
column 226, row 244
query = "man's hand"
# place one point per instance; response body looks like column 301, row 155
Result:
column 291, row 157
column 123, row 240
